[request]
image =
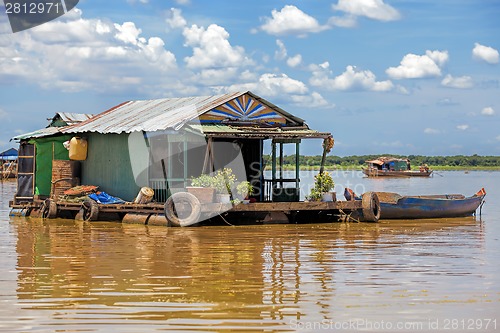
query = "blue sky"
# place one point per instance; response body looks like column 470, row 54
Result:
column 384, row 76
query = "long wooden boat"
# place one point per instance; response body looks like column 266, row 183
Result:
column 373, row 172
column 395, row 206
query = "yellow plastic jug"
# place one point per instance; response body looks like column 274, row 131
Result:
column 77, row 149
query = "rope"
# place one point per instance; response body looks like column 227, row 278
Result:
column 222, row 217
column 348, row 217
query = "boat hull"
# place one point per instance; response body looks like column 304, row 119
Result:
column 388, row 173
column 429, row 207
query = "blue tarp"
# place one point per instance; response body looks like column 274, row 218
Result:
column 104, row 198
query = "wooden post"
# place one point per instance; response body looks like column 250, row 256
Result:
column 273, row 182
column 207, row 163
column 323, row 158
column 297, row 166
column 262, row 184
column 281, row 164
column 185, row 160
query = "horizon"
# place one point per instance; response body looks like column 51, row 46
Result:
column 412, row 78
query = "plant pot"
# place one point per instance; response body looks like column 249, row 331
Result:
column 329, row 197
column 203, row 194
column 224, row 198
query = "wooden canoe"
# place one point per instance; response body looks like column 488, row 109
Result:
column 395, row 206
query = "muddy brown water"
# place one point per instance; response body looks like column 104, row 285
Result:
column 428, row 275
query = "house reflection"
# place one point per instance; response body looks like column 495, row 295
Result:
column 252, row 273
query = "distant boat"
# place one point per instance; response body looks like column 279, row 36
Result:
column 395, row 206
column 394, row 167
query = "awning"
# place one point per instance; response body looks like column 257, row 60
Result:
column 227, row 131
column 378, row 162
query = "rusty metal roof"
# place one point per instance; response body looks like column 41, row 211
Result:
column 68, row 117
column 38, row 133
column 159, row 114
column 383, row 159
column 73, row 118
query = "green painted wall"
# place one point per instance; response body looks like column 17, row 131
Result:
column 47, row 149
column 108, row 165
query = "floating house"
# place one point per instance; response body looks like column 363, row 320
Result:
column 162, row 144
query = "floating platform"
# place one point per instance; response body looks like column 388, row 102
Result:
column 187, row 210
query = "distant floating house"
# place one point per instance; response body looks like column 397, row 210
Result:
column 9, row 154
column 8, row 163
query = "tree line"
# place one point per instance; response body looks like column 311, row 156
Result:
column 415, row 160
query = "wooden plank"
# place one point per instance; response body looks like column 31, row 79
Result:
column 155, row 208
column 297, row 206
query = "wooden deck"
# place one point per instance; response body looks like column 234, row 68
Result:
column 212, row 209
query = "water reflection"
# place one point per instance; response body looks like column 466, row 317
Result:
column 88, row 276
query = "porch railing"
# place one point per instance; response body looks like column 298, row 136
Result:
column 275, row 190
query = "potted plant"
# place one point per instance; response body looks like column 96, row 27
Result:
column 323, row 185
column 245, row 190
column 202, row 187
column 223, row 181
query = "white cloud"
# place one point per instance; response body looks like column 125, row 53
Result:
column 373, row 9
column 294, row 61
column 462, row 127
column 346, row 21
column 73, row 54
column 175, row 19
column 283, row 87
column 414, row 66
column 462, row 82
column 446, row 102
column 127, row 33
column 498, row 138
column 141, row 1
column 273, row 84
column 291, row 21
column 211, row 48
column 183, row 2
column 351, row 79
column 485, row 53
column 488, row 111
column 3, row 114
column 314, row 100
column 429, row 130
column 281, row 53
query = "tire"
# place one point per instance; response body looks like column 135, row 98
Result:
column 371, row 207
column 49, row 209
column 187, row 212
column 90, row 211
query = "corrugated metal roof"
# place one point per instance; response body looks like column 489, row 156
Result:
column 38, row 133
column 68, row 117
column 159, row 114
column 74, row 118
